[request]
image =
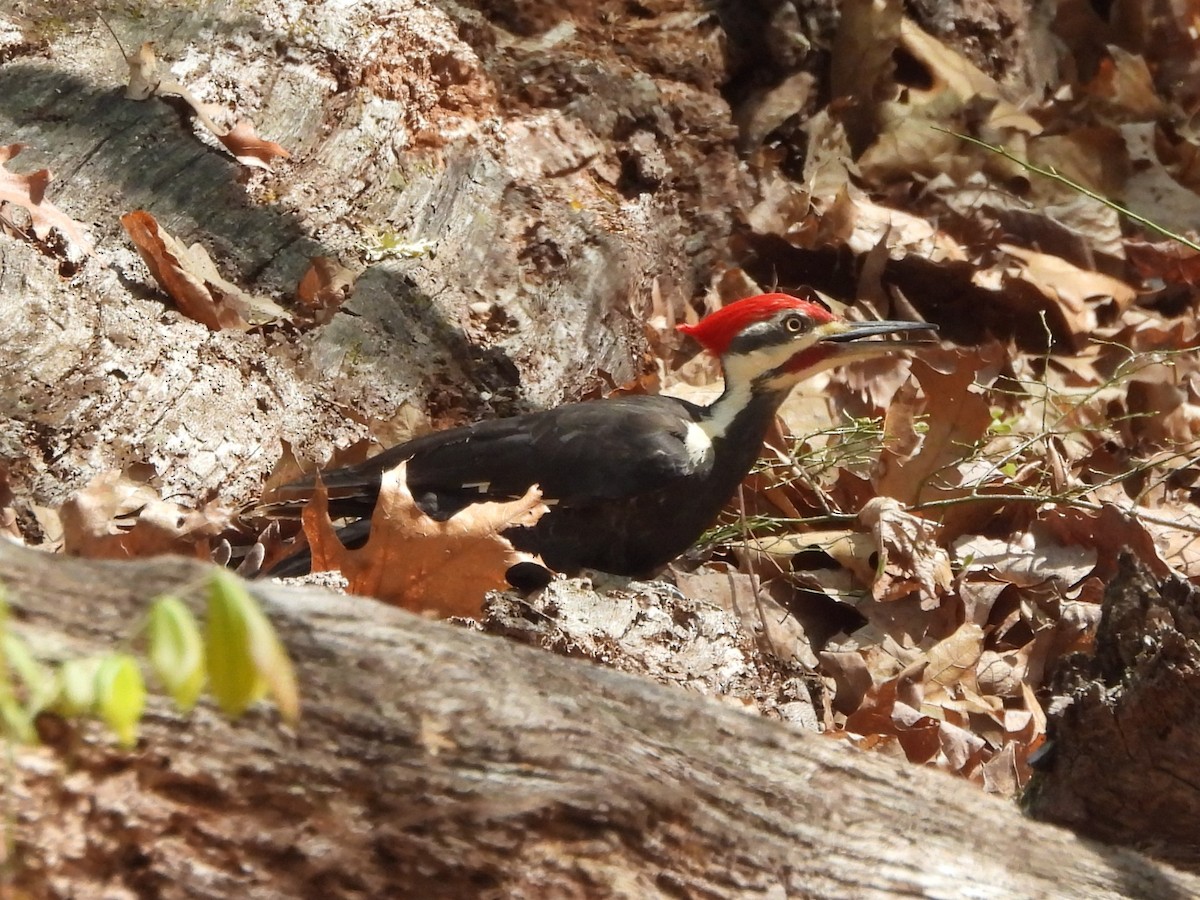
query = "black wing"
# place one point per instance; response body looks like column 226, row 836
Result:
column 579, row 454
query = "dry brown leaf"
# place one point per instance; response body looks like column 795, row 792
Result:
column 908, row 142
column 190, row 278
column 857, row 221
column 1151, row 189
column 960, row 749
column 954, row 658
column 1000, row 774
column 144, row 77
column 1070, row 287
column 50, row 523
column 753, row 603
column 324, row 287
column 910, row 559
column 1180, row 153
column 828, row 161
column 1168, row 260
column 952, row 71
column 1142, row 331
column 8, row 514
column 962, row 418
column 1097, row 226
column 861, row 63
column 287, row 469
column 733, row 283
column 1036, row 712
column 29, row 193
column 779, row 495
column 1027, row 559
column 417, row 563
column 978, row 598
column 1045, row 296
column 919, row 734
column 963, row 703
column 1051, row 217
column 868, row 386
column 897, row 708
column 1111, row 531
column 115, row 517
column 901, row 627
column 851, row 550
column 900, row 437
column 851, row 676
column 146, row 81
column 1175, row 528
column 248, row 148
column 876, row 713
column 1124, row 83
column 762, row 114
column 1091, row 155
column 1161, row 411
column 783, row 208
column 1000, row 674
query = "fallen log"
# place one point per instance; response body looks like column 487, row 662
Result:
column 435, row 761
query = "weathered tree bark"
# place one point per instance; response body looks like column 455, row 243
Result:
column 513, row 203
column 1126, row 740
column 433, row 761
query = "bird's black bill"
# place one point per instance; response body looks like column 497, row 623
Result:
column 857, row 330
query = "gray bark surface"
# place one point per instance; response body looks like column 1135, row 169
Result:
column 433, row 761
column 1126, row 732
column 548, row 189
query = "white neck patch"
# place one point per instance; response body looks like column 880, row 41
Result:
column 724, row 410
column 698, row 444
column 740, row 372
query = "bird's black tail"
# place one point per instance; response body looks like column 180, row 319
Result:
column 300, row 563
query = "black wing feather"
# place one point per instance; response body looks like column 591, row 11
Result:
column 579, row 454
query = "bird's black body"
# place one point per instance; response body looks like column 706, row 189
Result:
column 630, row 482
column 626, row 491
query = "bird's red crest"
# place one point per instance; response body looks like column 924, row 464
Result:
column 716, row 331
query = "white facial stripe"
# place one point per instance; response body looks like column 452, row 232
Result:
column 742, row 369
column 740, row 372
column 746, row 367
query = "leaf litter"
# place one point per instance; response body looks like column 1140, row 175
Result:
column 929, row 539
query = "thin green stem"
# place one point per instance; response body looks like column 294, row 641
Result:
column 1054, row 175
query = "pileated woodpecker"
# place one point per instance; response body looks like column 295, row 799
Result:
column 631, row 482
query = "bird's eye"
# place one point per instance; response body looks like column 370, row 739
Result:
column 795, row 324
